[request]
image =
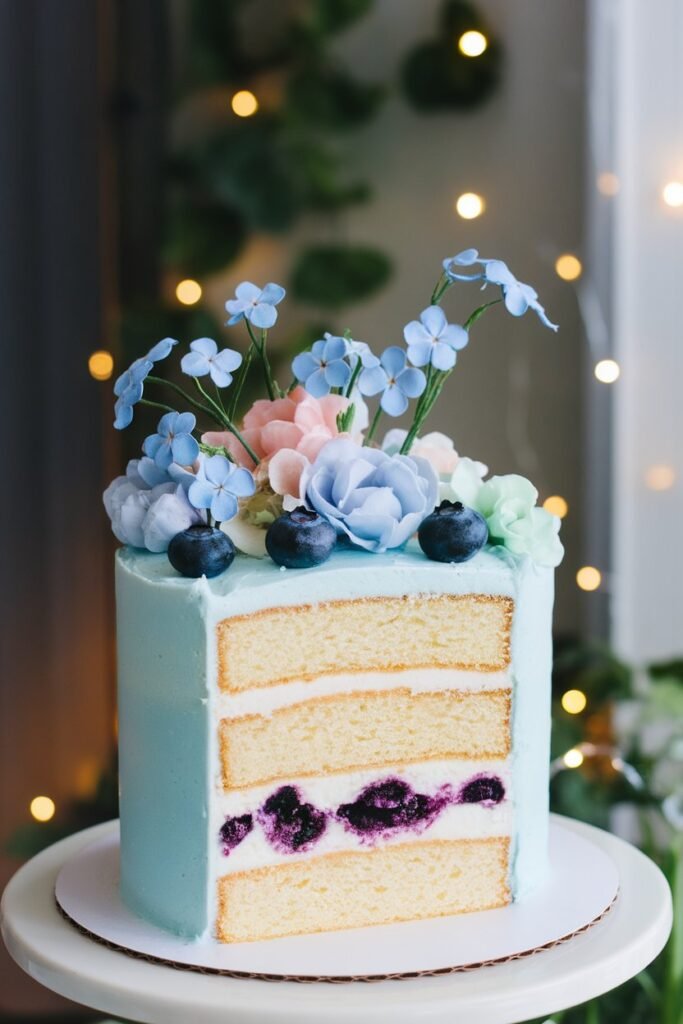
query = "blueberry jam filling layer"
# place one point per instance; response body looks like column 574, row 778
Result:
column 291, row 825
column 388, row 805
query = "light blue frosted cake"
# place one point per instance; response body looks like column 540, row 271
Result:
column 334, row 656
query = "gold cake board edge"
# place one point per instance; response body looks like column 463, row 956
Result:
column 331, row 979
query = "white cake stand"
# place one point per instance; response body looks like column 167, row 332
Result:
column 59, row 957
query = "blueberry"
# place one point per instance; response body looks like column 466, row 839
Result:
column 300, row 539
column 289, row 823
column 452, row 533
column 201, row 551
column 234, row 831
column 486, row 789
column 386, row 805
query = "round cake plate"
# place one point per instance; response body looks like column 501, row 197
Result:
column 87, row 892
column 56, row 954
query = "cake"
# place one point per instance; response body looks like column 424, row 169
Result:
column 337, row 713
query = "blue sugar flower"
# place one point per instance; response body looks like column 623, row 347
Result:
column 518, row 297
column 218, row 485
column 204, row 358
column 255, row 304
column 431, row 339
column 360, row 350
column 466, row 258
column 173, row 441
column 324, row 367
column 129, row 386
column 394, row 379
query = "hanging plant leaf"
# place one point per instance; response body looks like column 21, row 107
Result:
column 323, row 17
column 320, row 169
column 336, row 275
column 202, row 238
column 436, row 76
column 332, row 99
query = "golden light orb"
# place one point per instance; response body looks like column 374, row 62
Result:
column 472, row 43
column 469, row 205
column 589, row 578
column 608, row 183
column 188, row 292
column 660, row 477
column 607, row 371
column 573, row 758
column 42, row 808
column 244, row 103
column 101, row 365
column 568, row 267
column 672, row 194
column 556, row 505
column 574, row 702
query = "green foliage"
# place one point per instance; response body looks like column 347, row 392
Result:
column 203, row 236
column 335, row 275
column 330, row 98
column 436, row 76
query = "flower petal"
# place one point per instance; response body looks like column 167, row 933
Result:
column 216, row 469
column 184, row 449
column 443, row 356
column 304, row 365
column 515, row 300
column 273, row 293
column 221, row 378
column 241, row 483
column 161, row 349
column 337, row 373
column 284, row 471
column 317, row 384
column 200, row 493
column 455, row 336
column 280, row 434
column 205, row 346
column 412, row 382
column 247, row 292
column 420, row 353
column 498, row 272
column 228, row 360
column 185, row 422
column 224, row 506
column 372, row 381
column 194, row 364
column 393, row 360
column 415, row 332
column 393, row 401
column 335, row 348
column 434, row 319
column 263, row 315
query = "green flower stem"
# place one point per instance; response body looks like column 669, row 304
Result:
column 440, row 289
column 373, row 426
column 273, row 390
column 479, row 312
column 156, row 405
column 354, row 377
column 213, row 449
column 226, row 422
column 199, row 406
column 237, row 391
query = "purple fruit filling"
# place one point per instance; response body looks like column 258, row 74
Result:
column 485, row 789
column 290, row 825
column 234, row 831
column 388, row 805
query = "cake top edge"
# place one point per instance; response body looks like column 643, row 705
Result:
column 303, row 471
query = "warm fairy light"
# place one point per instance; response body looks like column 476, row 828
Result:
column 469, row 205
column 589, row 578
column 188, row 292
column 573, row 758
column 568, row 267
column 101, row 365
column 556, row 505
column 42, row 808
column 608, row 183
column 672, row 193
column 472, row 43
column 574, row 702
column 607, row 371
column 660, row 478
column 244, row 103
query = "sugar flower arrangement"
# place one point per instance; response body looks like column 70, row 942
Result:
column 303, row 471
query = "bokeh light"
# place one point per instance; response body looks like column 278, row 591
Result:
column 574, row 702
column 556, row 505
column 573, row 758
column 660, row 477
column 42, row 808
column 607, row 371
column 244, row 103
column 188, row 292
column 469, row 205
column 672, row 193
column 588, row 577
column 568, row 267
column 472, row 43
column 101, row 365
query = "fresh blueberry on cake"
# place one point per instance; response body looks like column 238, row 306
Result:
column 365, row 742
column 452, row 533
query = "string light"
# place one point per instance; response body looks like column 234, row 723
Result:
column 101, row 365
column 608, row 183
column 574, row 702
column 42, row 808
column 589, row 578
column 573, row 758
column 568, row 267
column 469, row 205
column 472, row 43
column 607, row 371
column 672, row 193
column 660, row 478
column 556, row 505
column 244, row 103
column 188, row 292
